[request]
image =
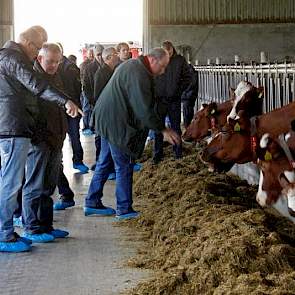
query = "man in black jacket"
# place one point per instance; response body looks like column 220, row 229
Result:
column 19, row 86
column 168, row 90
column 88, row 82
column 70, row 76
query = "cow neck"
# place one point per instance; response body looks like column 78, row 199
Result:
column 286, row 149
column 253, row 137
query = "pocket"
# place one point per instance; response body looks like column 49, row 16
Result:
column 5, row 148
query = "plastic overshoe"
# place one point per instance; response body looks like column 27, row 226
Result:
column 137, row 167
column 82, row 167
column 112, row 176
column 58, row 233
column 62, row 205
column 39, row 238
column 104, row 211
column 17, row 246
column 126, row 216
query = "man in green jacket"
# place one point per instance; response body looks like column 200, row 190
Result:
column 123, row 115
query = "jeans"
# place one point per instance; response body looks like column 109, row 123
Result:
column 13, row 152
column 86, row 108
column 33, row 190
column 74, row 135
column 174, row 114
column 124, row 174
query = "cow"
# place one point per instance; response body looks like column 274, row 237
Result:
column 237, row 141
column 211, row 117
column 277, row 176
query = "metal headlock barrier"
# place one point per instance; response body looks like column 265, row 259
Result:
column 277, row 80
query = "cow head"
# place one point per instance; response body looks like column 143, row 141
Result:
column 277, row 177
column 231, row 145
column 203, row 124
column 247, row 98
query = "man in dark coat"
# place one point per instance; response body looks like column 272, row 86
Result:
column 88, row 85
column 123, row 115
column 70, row 76
column 168, row 90
column 101, row 78
column 19, row 86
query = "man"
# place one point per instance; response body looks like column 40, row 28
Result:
column 168, row 90
column 88, row 82
column 101, row 78
column 19, row 86
column 44, row 157
column 84, row 101
column 123, row 51
column 70, row 76
column 123, row 115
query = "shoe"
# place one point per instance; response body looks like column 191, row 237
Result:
column 93, row 167
column 25, row 240
column 87, row 132
column 17, row 246
column 58, row 233
column 103, row 211
column 18, row 221
column 39, row 238
column 82, row 167
column 62, row 205
column 112, row 176
column 137, row 167
column 131, row 215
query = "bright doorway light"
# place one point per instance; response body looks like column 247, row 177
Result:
column 75, row 22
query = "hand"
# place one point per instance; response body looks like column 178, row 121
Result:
column 72, row 110
column 171, row 136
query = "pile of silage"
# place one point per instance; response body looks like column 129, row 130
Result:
column 203, row 233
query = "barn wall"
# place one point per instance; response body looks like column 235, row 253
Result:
column 223, row 28
column 6, row 21
column 225, row 41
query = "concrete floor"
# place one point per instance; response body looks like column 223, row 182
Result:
column 87, row 262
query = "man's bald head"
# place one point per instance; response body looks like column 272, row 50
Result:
column 31, row 41
column 41, row 31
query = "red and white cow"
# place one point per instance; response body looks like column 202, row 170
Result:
column 277, row 175
column 211, row 117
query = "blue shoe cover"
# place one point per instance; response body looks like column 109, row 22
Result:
column 126, row 216
column 137, row 167
column 18, row 246
column 25, row 240
column 112, row 176
column 39, row 238
column 62, row 205
column 17, row 221
column 82, row 167
column 104, row 212
column 58, row 233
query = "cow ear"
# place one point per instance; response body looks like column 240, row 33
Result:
column 204, row 105
column 232, row 93
column 284, row 182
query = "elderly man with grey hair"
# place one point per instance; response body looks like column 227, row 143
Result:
column 88, row 85
column 123, row 114
column 20, row 88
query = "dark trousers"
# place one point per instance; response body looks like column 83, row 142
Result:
column 74, row 135
column 188, row 111
column 174, row 113
column 66, row 194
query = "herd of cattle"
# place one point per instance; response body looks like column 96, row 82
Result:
column 238, row 132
